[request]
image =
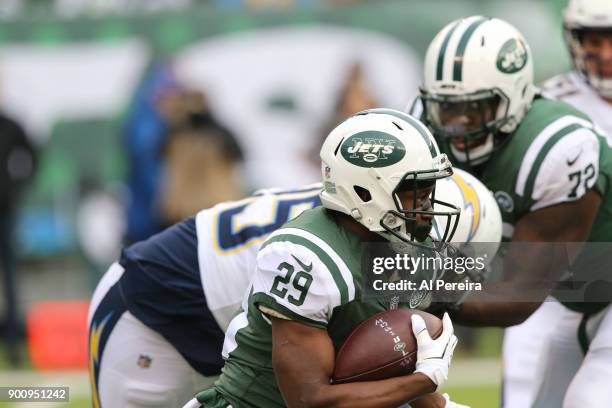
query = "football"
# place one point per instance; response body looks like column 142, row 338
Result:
column 381, row 347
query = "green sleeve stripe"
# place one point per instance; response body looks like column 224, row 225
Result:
column 440, row 63
column 458, row 65
column 322, row 255
column 533, row 173
column 583, row 338
column 268, row 301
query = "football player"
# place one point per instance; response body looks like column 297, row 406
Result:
column 158, row 315
column 587, row 26
column 305, row 296
column 544, row 160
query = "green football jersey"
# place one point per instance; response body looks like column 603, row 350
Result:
column 309, row 271
column 554, row 156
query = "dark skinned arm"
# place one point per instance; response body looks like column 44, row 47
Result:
column 523, row 271
column 303, row 359
column 435, row 400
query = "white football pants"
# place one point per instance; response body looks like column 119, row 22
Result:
column 522, row 347
column 138, row 367
column 570, row 378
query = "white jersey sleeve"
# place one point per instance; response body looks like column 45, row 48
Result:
column 569, row 169
column 300, row 278
column 229, row 237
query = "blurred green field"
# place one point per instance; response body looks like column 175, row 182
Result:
column 486, row 396
column 474, row 379
column 76, row 403
column 475, row 397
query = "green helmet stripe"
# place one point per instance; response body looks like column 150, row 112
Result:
column 414, row 122
column 458, row 66
column 424, row 134
column 440, row 65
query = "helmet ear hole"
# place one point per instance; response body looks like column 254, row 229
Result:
column 363, row 193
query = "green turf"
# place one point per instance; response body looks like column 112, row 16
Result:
column 23, row 352
column 75, row 403
column 475, row 397
column 487, row 345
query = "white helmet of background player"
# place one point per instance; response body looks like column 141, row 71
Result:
column 479, row 71
column 580, row 17
column 480, row 220
column 369, row 158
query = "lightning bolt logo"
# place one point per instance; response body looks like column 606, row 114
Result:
column 94, row 356
column 470, row 200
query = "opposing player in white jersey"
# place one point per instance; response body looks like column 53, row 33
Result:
column 157, row 317
column 545, row 364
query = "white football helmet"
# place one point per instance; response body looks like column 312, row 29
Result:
column 478, row 86
column 373, row 155
column 480, row 219
column 579, row 17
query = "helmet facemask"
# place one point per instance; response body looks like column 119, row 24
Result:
column 468, row 125
column 596, row 70
column 412, row 229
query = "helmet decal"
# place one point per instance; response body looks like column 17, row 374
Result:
column 420, row 127
column 440, row 63
column 470, row 199
column 465, row 38
column 372, row 149
column 512, row 56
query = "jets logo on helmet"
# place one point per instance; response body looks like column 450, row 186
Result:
column 478, row 86
column 371, row 148
column 512, row 57
column 372, row 156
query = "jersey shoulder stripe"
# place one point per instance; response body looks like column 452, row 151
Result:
column 542, row 154
column 338, row 269
column 552, row 132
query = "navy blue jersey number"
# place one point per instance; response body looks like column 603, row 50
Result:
column 228, row 238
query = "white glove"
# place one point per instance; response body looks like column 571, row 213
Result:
column 434, row 356
column 451, row 404
column 194, row 403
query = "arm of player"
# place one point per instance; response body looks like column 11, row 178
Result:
column 303, row 359
column 436, row 400
column 566, row 203
column 523, row 265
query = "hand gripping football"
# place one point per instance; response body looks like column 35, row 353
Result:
column 382, row 347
